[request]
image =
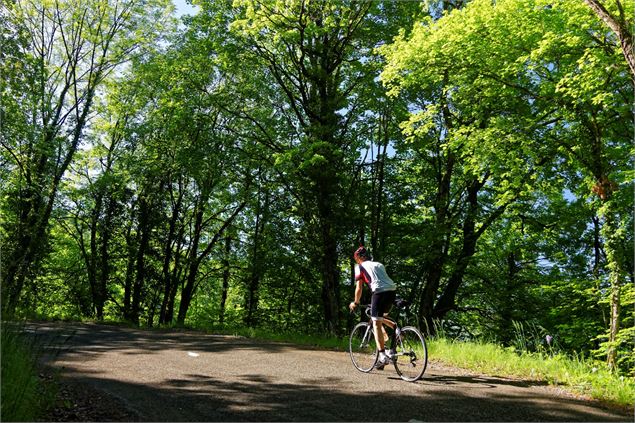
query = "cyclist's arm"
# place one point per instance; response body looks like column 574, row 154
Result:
column 358, row 294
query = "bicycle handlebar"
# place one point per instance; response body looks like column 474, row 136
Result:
column 367, row 307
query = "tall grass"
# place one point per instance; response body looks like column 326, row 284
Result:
column 20, row 383
column 577, row 374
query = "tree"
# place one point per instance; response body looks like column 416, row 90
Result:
column 473, row 158
column 541, row 97
column 316, row 55
column 304, row 46
column 69, row 52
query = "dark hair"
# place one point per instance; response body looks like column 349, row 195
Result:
column 361, row 253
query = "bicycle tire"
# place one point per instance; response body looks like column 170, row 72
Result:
column 362, row 347
column 411, row 359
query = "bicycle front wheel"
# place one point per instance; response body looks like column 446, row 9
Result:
column 411, row 357
column 362, row 347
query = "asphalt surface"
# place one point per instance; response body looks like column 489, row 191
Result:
column 191, row 376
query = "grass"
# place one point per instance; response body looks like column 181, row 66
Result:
column 21, row 398
column 578, row 375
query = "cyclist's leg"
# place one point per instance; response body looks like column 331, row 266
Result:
column 380, row 305
column 388, row 298
column 377, row 317
column 379, row 336
column 389, row 322
column 383, row 329
column 389, row 338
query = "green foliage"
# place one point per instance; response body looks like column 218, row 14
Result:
column 519, row 90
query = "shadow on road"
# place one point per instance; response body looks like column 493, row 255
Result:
column 256, row 398
column 483, row 381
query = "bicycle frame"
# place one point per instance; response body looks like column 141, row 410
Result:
column 393, row 324
column 403, row 342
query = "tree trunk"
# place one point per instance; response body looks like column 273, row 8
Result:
column 330, row 280
column 175, row 277
column 621, row 27
column 597, row 262
column 32, row 241
column 131, row 254
column 91, row 263
column 251, row 300
column 439, row 247
column 447, row 300
column 85, row 59
column 377, row 212
column 226, row 274
column 27, row 255
column 193, row 263
column 308, row 69
column 167, row 259
column 104, row 258
column 326, row 189
column 195, row 260
column 599, row 166
column 140, row 267
column 614, row 265
column 508, row 307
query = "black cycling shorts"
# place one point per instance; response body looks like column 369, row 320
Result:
column 381, row 303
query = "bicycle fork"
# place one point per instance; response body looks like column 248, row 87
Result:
column 367, row 336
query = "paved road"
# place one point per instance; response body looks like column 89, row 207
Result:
column 189, row 376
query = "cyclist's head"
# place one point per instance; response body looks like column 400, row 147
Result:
column 361, row 254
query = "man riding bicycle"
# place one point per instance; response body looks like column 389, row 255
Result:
column 383, row 295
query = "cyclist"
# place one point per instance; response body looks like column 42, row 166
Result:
column 383, row 291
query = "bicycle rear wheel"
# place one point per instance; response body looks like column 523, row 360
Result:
column 362, row 347
column 411, row 359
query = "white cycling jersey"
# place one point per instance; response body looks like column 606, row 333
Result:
column 374, row 274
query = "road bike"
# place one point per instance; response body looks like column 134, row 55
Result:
column 407, row 344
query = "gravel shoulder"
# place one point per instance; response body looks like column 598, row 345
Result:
column 81, row 402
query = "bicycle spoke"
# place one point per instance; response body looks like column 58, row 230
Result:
column 412, row 355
